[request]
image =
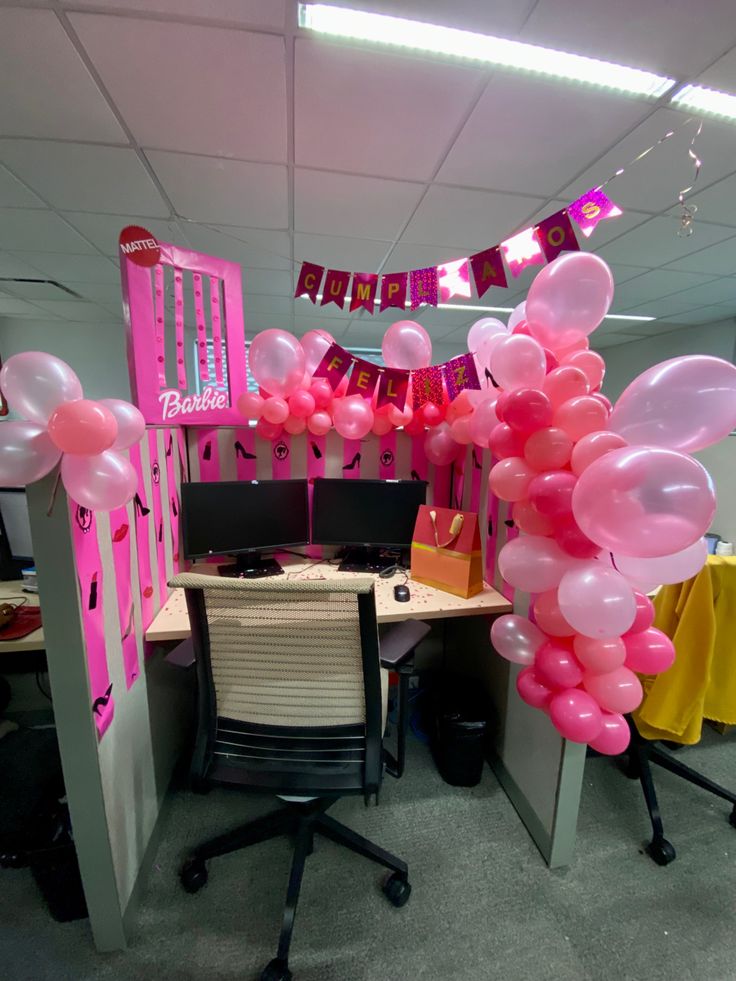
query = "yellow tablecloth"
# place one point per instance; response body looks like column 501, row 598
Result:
column 700, row 617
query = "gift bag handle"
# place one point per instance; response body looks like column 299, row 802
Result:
column 456, row 526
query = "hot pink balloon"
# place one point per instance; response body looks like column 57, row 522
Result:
column 572, row 540
column 548, row 615
column 556, row 666
column 250, row 404
column 531, row 690
column 131, row 424
column 579, row 416
column 548, row 449
column 35, row 384
column 83, row 427
column 614, row 736
column 509, row 479
column 433, row 414
column 551, row 492
column 26, row 453
column 533, row 563
column 527, row 409
column 482, row 423
column 275, row 409
column 439, row 446
column 593, row 446
column 616, row 691
column 649, row 652
column 564, row 383
column 319, row 423
column 101, row 482
column 415, row 426
column 674, row 568
column 460, row 429
column 516, row 638
column 569, row 298
column 277, row 362
column 599, row 656
column 268, row 430
column 596, row 600
column 518, row 362
column 321, row 392
column 315, row 344
column 684, row 404
column 644, row 613
column 529, row 520
column 591, row 364
column 644, row 501
column 295, row 425
column 575, row 715
column 406, row 344
column 353, row 417
column 504, row 442
column 302, row 404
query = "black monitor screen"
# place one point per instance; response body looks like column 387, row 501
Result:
column 243, row 516
column 16, row 523
column 366, row 512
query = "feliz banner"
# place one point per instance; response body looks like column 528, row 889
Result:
column 434, row 284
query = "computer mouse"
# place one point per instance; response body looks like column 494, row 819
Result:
column 402, row 594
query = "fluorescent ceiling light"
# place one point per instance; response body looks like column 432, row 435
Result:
column 623, row 316
column 417, row 36
column 702, row 99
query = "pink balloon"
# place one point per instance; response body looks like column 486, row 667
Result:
column 319, row 423
column 302, row 404
column 582, row 344
column 596, row 600
column 614, row 735
column 548, row 449
column 406, row 344
column 295, row 425
column 461, row 405
column 415, row 426
column 551, row 492
column 616, row 691
column 482, row 330
column 509, row 479
column 321, row 392
column 517, row 315
column 678, row 567
column 482, row 422
column 556, row 666
column 518, row 362
column 604, row 401
column 569, row 298
column 574, row 714
column 131, row 424
column 571, row 539
column 277, row 362
column 527, row 409
column 275, row 409
column 548, row 615
column 516, row 638
column 644, row 501
column 644, row 613
column 599, row 656
column 35, row 384
column 580, row 416
column 504, row 442
column 250, row 404
column 591, row 364
column 533, row 563
column 483, row 355
column 353, row 417
column 432, row 414
column 529, row 520
column 564, row 383
column 460, row 430
column 315, row 344
column 400, row 417
column 101, row 482
column 439, row 446
column 501, row 403
column 531, row 690
column 83, row 427
column 590, row 448
column 268, row 430
column 551, row 360
column 649, row 652
column 684, row 404
column 381, row 424
column 521, row 328
column 26, row 453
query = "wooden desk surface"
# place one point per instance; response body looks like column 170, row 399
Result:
column 426, row 603
column 13, row 592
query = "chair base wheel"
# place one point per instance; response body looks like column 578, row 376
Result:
column 397, row 889
column 193, row 875
column 661, row 851
column 276, row 970
column 732, row 817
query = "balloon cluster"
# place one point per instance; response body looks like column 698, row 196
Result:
column 58, row 423
column 609, row 502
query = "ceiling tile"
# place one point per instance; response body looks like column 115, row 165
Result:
column 657, row 242
column 364, row 207
column 10, row 306
column 409, row 255
column 11, row 268
column 703, row 315
column 611, row 340
column 267, row 321
column 665, row 306
column 717, row 203
column 278, row 306
column 623, row 273
column 311, row 321
column 85, row 178
column 104, row 230
column 721, row 74
column 271, row 281
column 250, row 13
column 67, row 268
column 610, row 228
column 476, row 218
column 303, row 307
column 37, row 289
column 623, row 32
column 502, row 17
column 652, row 285
column 717, row 291
column 224, row 191
column 25, row 231
column 254, row 248
column 355, row 254
column 14, row 195
column 108, row 295
column 562, row 127
column 717, row 259
column 163, row 98
column 79, row 311
column 345, row 97
column 39, row 70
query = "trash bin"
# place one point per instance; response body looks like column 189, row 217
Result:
column 460, row 731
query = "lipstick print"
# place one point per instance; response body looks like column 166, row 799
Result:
column 317, row 452
column 92, row 601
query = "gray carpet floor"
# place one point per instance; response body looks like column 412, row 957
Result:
column 484, row 905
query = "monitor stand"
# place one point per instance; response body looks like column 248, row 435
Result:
column 363, row 558
column 251, row 565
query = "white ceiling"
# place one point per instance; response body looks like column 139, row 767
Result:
column 223, row 127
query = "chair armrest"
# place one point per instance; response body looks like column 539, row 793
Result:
column 398, row 644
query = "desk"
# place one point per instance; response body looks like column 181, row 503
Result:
column 12, row 592
column 426, row 603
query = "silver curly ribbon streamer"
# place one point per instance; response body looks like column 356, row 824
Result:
column 687, row 211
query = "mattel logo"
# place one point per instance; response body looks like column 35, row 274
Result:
column 173, row 404
column 138, row 245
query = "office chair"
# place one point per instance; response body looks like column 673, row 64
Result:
column 292, row 699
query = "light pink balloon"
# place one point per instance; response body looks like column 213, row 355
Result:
column 83, row 427
column 484, row 353
column 406, row 344
column 517, row 315
column 575, row 715
column 268, row 430
column 509, row 479
column 381, row 424
column 599, row 656
column 674, row 568
column 102, row 482
column 35, row 384
column 400, row 417
column 616, row 691
column 533, row 563
column 592, row 446
column 563, row 383
column 644, row 501
column 596, row 600
column 275, row 409
column 548, row 615
column 580, row 416
column 556, row 666
column 482, row 422
column 518, row 362
column 319, row 423
column 614, row 735
column 131, row 424
column 551, row 492
column 649, row 652
column 315, row 344
column 531, row 690
column 684, row 404
column 295, row 425
column 482, row 330
column 516, row 638
column 591, row 364
column 439, row 446
column 460, row 429
column 353, row 417
column 276, row 361
column 26, row 453
column 569, row 298
column 250, row 405
column 548, row 449
column 529, row 520
column 321, row 392
column 302, row 404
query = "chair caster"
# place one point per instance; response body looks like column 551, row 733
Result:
column 397, row 889
column 732, row 816
column 661, row 851
column 276, row 970
column 193, row 875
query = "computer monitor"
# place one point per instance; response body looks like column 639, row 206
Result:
column 368, row 517
column 244, row 518
column 16, row 547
